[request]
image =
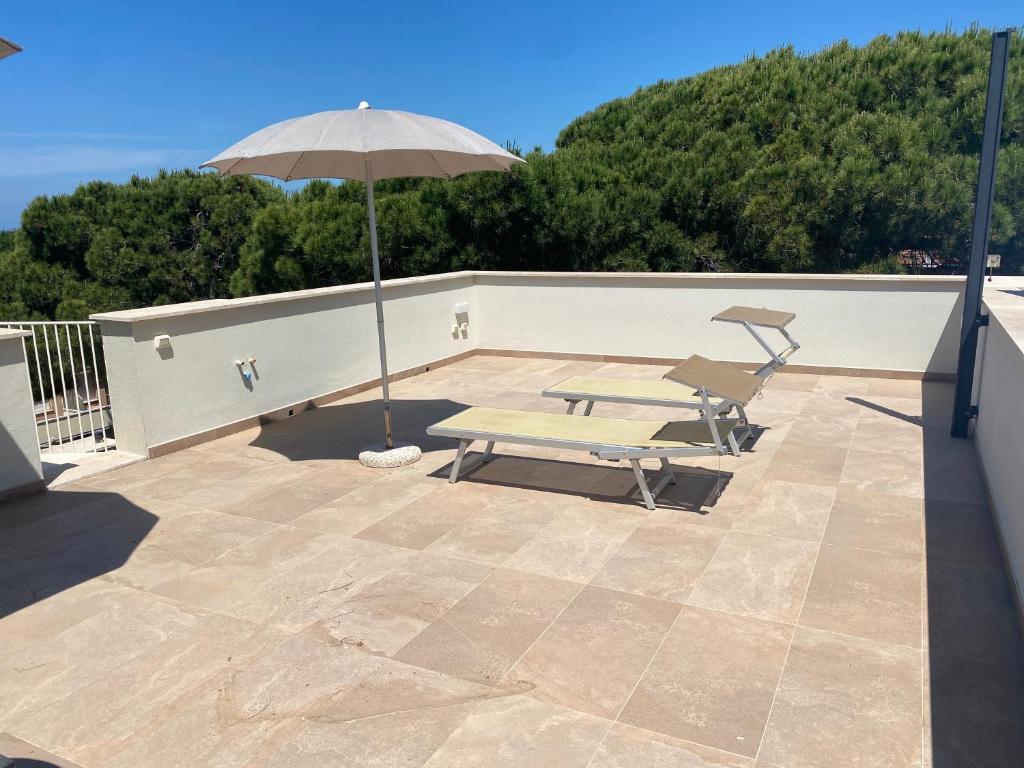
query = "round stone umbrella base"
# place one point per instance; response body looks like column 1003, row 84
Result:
column 383, row 458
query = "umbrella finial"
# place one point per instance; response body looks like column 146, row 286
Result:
column 364, row 105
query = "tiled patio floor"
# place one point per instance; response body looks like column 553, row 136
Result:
column 263, row 600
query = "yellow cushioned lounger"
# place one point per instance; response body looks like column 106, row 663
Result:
column 614, row 439
column 719, row 388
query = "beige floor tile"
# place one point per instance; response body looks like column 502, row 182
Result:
column 423, row 521
column 961, row 532
column 289, row 576
column 180, row 542
column 846, row 701
column 780, row 508
column 663, row 558
column 876, row 521
column 405, row 738
column 382, row 614
column 909, row 388
column 497, row 532
column 393, row 687
column 818, row 430
column 523, row 732
column 952, row 471
column 815, row 464
column 760, row 576
column 106, row 714
column 881, row 472
column 486, row 632
column 341, row 517
column 577, row 542
column 712, row 682
column 797, row 382
column 241, row 486
column 364, row 506
column 888, row 434
column 628, row 747
column 842, row 385
column 874, row 595
column 89, row 650
column 308, row 493
column 591, row 658
column 318, row 588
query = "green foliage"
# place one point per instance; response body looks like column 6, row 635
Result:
column 838, row 161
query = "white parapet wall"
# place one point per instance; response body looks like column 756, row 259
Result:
column 864, row 322
column 20, row 469
column 306, row 345
column 999, row 432
column 310, row 344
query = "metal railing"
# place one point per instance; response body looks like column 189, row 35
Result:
column 68, row 381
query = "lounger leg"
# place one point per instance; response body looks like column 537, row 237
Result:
column 488, row 455
column 747, row 431
column 734, row 447
column 641, row 481
column 589, row 408
column 459, row 456
column 572, row 406
column 668, row 470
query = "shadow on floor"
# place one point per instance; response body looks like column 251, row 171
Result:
column 696, row 489
column 975, row 652
column 341, row 431
column 57, row 539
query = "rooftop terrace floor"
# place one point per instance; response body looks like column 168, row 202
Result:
column 264, row 600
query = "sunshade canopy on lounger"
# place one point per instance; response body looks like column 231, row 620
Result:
column 718, row 379
column 767, row 318
column 593, row 430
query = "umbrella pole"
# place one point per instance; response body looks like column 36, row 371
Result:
column 388, row 437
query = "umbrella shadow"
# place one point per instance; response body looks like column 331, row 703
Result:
column 341, row 431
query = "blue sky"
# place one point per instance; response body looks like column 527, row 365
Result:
column 104, row 90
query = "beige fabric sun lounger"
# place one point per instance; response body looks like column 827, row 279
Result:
column 719, row 388
column 753, row 318
column 612, row 439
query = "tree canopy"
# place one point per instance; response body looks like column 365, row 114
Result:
column 848, row 159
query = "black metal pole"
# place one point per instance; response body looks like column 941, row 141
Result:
column 985, row 191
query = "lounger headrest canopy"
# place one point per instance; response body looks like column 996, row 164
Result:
column 718, row 379
column 767, row 318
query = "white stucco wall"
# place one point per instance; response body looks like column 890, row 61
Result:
column 306, row 344
column 999, row 432
column 858, row 321
column 19, row 446
column 312, row 343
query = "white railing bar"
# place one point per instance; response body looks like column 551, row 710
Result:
column 88, row 397
column 53, row 388
column 63, row 386
column 99, row 391
column 42, row 391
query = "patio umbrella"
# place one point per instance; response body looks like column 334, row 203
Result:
column 365, row 144
column 7, row 48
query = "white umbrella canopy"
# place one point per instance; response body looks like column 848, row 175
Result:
column 338, row 144
column 367, row 145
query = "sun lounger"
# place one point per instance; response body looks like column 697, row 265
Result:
column 708, row 386
column 612, row 439
column 752, row 318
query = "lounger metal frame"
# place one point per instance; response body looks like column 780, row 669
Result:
column 709, row 408
column 633, row 455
